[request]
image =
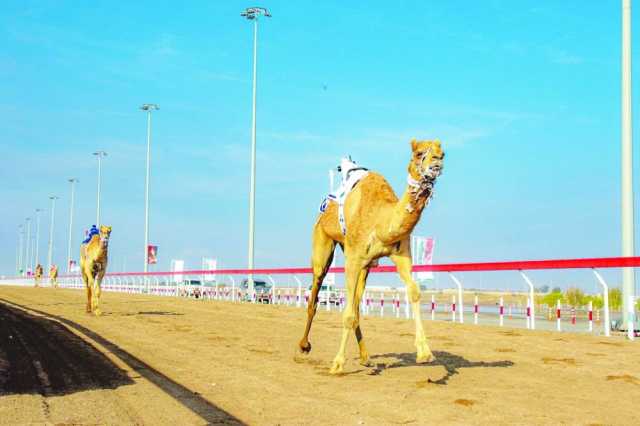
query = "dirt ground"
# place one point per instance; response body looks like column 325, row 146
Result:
column 161, row 360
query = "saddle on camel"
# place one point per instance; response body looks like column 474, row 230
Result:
column 368, row 221
column 93, row 264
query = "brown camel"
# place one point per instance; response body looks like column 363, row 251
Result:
column 53, row 276
column 38, row 274
column 377, row 225
column 93, row 265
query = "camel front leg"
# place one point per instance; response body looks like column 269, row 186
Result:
column 88, row 283
column 362, row 283
column 403, row 264
column 349, row 323
column 95, row 296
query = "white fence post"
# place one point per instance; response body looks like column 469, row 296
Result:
column 532, row 303
column 605, row 298
column 558, row 315
column 460, row 301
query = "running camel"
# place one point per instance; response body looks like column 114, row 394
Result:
column 376, row 224
column 93, row 265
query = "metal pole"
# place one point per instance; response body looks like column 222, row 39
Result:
column 628, row 274
column 73, row 186
column 27, row 255
column 53, row 211
column 148, row 108
column 252, row 190
column 605, row 302
column 37, row 242
column 99, row 154
column 20, row 239
column 460, row 302
column 531, row 297
column 99, row 189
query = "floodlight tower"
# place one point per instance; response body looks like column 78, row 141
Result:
column 53, row 199
column 148, row 108
column 36, row 257
column 253, row 14
column 100, row 155
column 20, row 241
column 27, row 256
column 628, row 274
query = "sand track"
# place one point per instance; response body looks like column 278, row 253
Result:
column 152, row 360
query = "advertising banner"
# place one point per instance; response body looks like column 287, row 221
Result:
column 152, row 254
column 423, row 255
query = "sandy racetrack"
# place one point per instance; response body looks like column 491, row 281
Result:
column 197, row 362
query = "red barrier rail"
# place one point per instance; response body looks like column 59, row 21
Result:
column 521, row 265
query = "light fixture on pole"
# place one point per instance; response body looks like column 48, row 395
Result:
column 73, row 182
column 53, row 199
column 628, row 274
column 27, row 255
column 36, row 257
column 148, row 108
column 100, row 155
column 253, row 14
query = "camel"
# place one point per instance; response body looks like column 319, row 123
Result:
column 93, row 265
column 377, row 225
column 53, row 276
column 38, row 274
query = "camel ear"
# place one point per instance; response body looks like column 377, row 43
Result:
column 414, row 145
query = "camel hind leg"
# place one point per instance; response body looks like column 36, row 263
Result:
column 321, row 258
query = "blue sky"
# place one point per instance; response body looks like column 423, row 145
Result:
column 525, row 98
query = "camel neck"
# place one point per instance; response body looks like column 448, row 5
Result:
column 408, row 209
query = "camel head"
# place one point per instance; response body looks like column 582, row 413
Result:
column 426, row 161
column 105, row 233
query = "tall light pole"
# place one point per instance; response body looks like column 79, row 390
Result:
column 27, row 256
column 148, row 108
column 53, row 199
column 36, row 257
column 73, row 182
column 628, row 274
column 20, row 240
column 100, row 155
column 253, row 14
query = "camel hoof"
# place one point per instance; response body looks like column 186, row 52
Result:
column 97, row 312
column 425, row 358
column 336, row 369
column 365, row 362
column 304, row 349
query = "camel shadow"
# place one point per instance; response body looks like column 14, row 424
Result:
column 452, row 363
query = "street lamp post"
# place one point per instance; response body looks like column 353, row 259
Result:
column 27, row 256
column 100, row 155
column 148, row 108
column 20, row 241
column 628, row 274
column 36, row 257
column 253, row 14
column 53, row 199
column 73, row 182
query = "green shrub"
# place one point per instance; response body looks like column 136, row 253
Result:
column 575, row 297
column 615, row 299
